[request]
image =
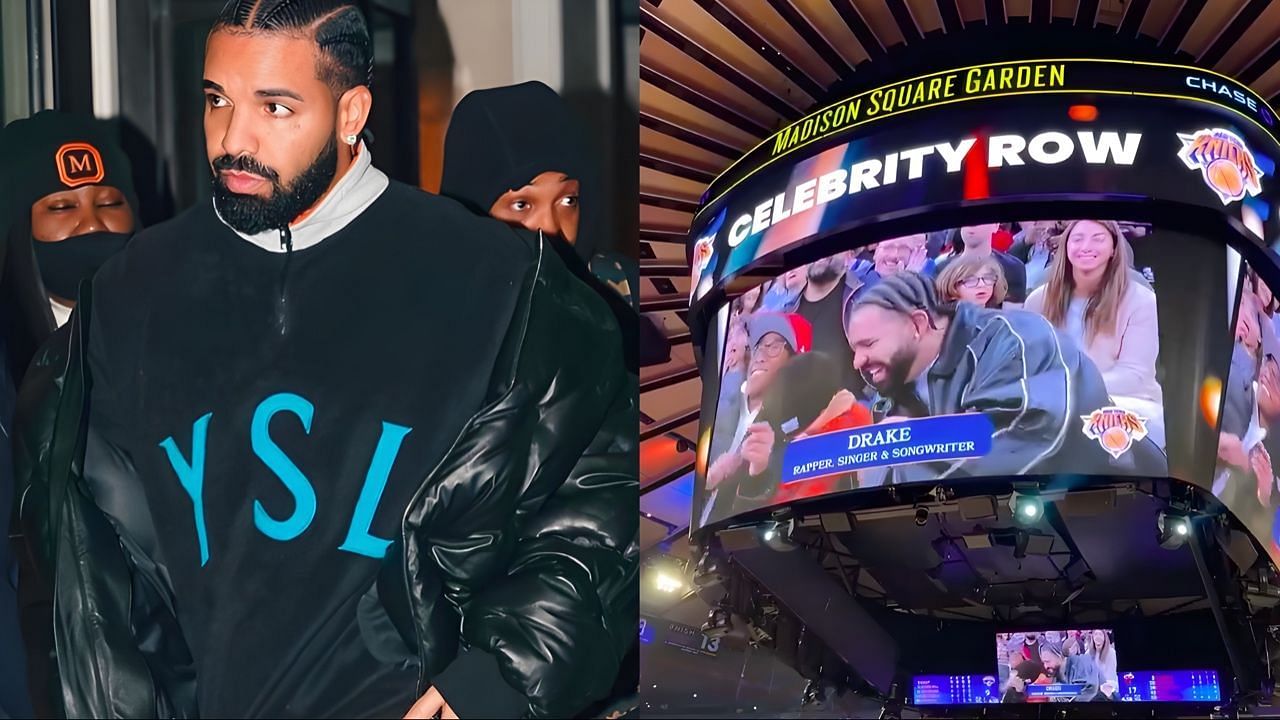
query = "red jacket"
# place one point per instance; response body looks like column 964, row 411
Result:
column 857, row 416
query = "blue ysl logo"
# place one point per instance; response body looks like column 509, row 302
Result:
column 359, row 539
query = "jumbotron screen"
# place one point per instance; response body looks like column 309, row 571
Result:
column 1077, row 665
column 1244, row 477
column 1011, row 348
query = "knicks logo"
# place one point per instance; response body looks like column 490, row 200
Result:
column 79, row 164
column 1115, row 429
column 704, row 252
column 1226, row 165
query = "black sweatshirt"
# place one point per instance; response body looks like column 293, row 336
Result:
column 281, row 411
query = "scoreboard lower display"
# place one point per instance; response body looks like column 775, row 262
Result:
column 955, row 689
column 1144, row 686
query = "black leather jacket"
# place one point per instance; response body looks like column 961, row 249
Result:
column 546, row 577
column 1034, row 383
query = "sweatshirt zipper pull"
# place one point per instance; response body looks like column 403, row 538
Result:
column 286, row 242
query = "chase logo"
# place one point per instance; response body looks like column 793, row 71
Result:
column 1115, row 429
column 1226, row 165
column 79, row 164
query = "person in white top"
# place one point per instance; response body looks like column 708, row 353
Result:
column 1092, row 297
column 1104, row 654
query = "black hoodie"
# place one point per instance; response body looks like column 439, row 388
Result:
column 501, row 138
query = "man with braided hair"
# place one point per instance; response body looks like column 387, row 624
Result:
column 273, row 476
column 926, row 358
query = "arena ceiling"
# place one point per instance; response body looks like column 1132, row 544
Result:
column 717, row 76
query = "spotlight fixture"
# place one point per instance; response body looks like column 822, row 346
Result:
column 1172, row 529
column 776, row 534
column 922, row 517
column 1027, row 509
column 719, row 621
column 666, row 574
column 667, row 583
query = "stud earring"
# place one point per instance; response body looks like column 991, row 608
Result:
column 351, row 139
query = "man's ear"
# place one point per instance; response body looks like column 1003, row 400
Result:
column 920, row 321
column 353, row 110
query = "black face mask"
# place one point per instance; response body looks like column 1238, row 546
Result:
column 63, row 265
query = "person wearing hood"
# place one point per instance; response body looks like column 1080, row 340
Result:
column 328, row 445
column 516, row 153
column 66, row 205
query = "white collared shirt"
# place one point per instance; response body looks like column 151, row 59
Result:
column 61, row 313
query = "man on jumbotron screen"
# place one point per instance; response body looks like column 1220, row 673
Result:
column 926, row 358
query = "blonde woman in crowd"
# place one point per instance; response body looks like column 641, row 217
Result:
column 1091, row 296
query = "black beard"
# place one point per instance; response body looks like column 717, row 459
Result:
column 826, row 274
column 896, row 384
column 251, row 214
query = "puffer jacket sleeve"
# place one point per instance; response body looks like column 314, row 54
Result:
column 118, row 650
column 33, row 429
column 562, row 619
column 71, row 545
column 36, row 413
column 530, row 520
